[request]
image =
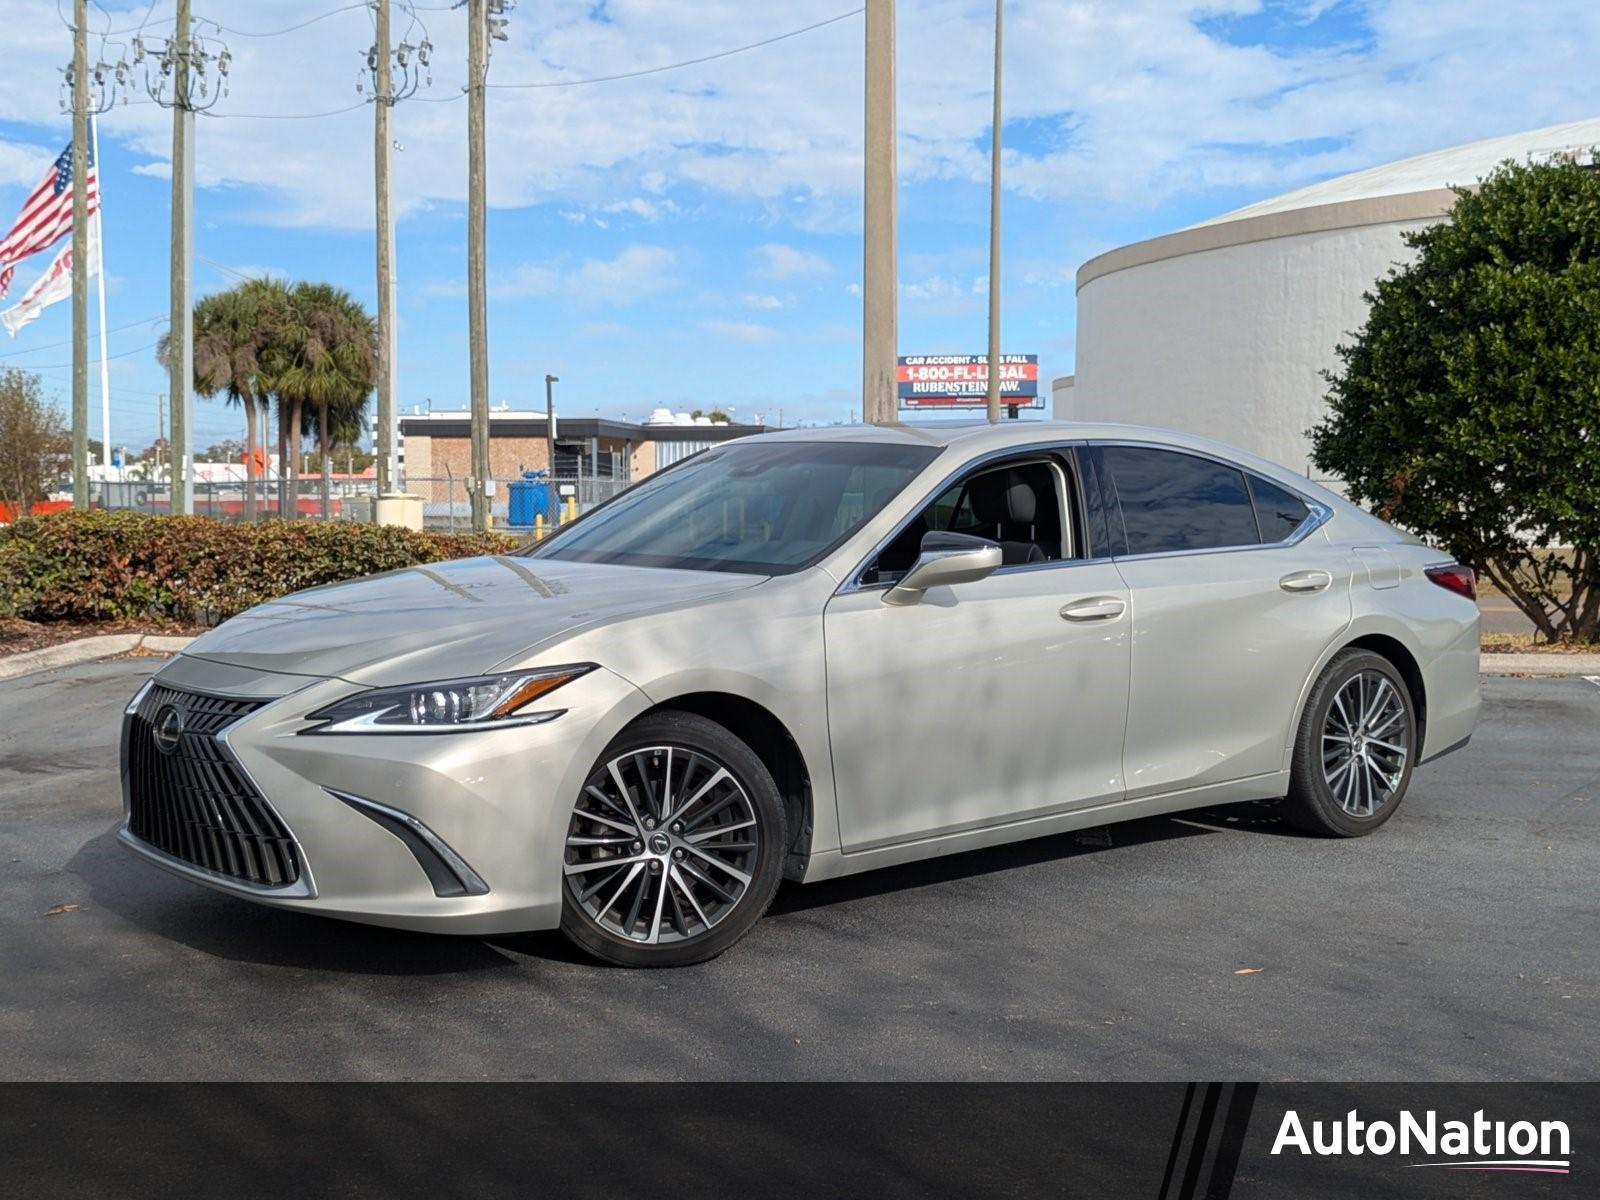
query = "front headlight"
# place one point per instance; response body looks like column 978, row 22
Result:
column 487, row 702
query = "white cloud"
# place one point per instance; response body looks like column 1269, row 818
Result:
column 22, row 165
column 524, row 279
column 768, row 303
column 624, row 279
column 1125, row 101
column 742, row 331
column 779, row 261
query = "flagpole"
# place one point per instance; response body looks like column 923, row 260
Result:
column 100, row 274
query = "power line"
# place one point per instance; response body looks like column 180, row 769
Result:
column 106, row 33
column 68, row 342
column 227, row 270
column 94, row 362
column 688, row 62
column 288, row 29
column 334, row 112
column 553, row 83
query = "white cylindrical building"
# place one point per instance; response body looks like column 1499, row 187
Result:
column 1225, row 328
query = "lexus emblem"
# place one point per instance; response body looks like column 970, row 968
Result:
column 167, row 729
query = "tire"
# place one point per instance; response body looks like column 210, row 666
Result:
column 1355, row 749
column 681, row 892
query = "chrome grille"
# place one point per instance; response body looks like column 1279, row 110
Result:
column 196, row 803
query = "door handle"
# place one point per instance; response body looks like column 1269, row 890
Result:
column 1306, row 581
column 1096, row 608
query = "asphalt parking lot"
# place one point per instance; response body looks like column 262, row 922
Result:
column 1461, row 942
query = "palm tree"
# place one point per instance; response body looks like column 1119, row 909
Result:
column 325, row 362
column 233, row 331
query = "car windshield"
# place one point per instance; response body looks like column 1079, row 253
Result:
column 756, row 505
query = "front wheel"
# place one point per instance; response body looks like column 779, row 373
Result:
column 675, row 847
column 1355, row 749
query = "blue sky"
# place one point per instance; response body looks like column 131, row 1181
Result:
column 691, row 238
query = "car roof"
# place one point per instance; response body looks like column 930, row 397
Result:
column 980, row 437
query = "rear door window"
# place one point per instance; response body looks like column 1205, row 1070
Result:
column 1279, row 512
column 1173, row 502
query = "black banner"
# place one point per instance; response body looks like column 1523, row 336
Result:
column 1162, row 1141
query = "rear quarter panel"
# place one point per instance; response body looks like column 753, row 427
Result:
column 1438, row 628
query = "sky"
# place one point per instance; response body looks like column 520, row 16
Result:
column 692, row 237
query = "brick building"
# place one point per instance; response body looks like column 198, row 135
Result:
column 436, row 447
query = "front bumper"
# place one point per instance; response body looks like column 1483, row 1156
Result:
column 375, row 815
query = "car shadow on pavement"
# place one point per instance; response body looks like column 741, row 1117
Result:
column 224, row 926
column 227, row 927
column 1252, row 817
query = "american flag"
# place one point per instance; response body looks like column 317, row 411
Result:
column 46, row 215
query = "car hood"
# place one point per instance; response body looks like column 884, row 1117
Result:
column 446, row 620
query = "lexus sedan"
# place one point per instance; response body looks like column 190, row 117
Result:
column 798, row 656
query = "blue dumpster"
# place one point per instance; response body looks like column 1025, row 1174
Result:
column 530, row 497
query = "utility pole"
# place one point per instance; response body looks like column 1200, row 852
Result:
column 477, row 293
column 80, row 254
column 383, row 101
column 386, row 93
column 161, row 435
column 994, row 229
column 880, row 284
column 182, row 83
column 180, row 340
column 550, row 426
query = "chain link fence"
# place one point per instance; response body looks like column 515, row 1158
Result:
column 521, row 504
column 536, row 505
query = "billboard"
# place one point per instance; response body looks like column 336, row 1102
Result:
column 962, row 380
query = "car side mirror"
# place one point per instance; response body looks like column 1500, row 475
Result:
column 945, row 558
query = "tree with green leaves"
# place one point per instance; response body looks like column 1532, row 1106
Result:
column 233, row 331
column 323, row 361
column 34, row 443
column 1468, row 407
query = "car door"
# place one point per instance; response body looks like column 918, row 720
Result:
column 987, row 702
column 1236, row 594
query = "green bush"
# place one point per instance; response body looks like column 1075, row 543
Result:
column 111, row 566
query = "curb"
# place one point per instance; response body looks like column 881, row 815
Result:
column 1539, row 664
column 67, row 654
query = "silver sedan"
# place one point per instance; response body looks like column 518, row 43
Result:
column 798, row 656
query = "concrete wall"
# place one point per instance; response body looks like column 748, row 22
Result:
column 1229, row 342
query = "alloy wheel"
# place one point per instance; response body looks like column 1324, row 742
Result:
column 1365, row 741
column 662, row 845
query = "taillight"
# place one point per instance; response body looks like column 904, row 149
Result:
column 1463, row 581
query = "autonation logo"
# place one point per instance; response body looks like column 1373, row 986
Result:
column 1475, row 1145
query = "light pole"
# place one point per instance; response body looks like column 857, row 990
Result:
column 994, row 229
column 550, row 426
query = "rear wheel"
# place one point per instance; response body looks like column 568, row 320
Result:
column 675, row 845
column 1355, row 749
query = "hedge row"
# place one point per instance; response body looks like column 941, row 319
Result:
column 108, row 566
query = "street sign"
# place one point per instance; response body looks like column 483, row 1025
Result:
column 962, row 380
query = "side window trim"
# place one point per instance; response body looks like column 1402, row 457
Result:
column 1318, row 513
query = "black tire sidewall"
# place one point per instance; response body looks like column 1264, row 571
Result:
column 1312, row 805
column 714, row 741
